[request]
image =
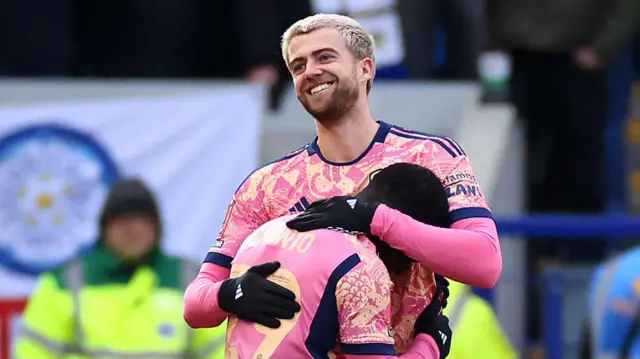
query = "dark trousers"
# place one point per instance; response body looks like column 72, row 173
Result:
column 462, row 21
column 141, row 38
column 116, row 38
column 564, row 109
column 36, row 37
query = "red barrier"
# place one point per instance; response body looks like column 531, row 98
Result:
column 9, row 311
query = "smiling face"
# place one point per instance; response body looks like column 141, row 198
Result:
column 327, row 77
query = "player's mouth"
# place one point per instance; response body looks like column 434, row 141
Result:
column 319, row 88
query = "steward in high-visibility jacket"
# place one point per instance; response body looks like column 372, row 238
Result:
column 478, row 334
column 123, row 299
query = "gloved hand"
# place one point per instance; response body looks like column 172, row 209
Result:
column 436, row 325
column 442, row 293
column 254, row 298
column 343, row 213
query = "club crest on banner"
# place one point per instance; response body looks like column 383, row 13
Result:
column 53, row 180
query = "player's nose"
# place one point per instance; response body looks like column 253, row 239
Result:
column 312, row 70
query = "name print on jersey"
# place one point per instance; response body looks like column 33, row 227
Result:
column 287, row 239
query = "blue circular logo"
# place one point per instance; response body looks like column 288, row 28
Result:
column 53, row 181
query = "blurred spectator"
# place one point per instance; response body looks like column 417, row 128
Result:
column 462, row 21
column 613, row 329
column 636, row 57
column 382, row 20
column 258, row 27
column 179, row 38
column 467, row 313
column 36, row 37
column 405, row 33
column 560, row 51
column 144, row 38
column 123, row 299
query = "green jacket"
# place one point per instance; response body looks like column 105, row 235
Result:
column 563, row 25
column 98, row 307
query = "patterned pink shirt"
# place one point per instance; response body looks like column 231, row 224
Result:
column 343, row 288
column 289, row 184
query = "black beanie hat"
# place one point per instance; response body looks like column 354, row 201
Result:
column 129, row 196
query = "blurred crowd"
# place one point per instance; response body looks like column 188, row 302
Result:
column 551, row 59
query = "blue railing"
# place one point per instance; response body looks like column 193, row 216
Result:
column 554, row 282
column 571, row 226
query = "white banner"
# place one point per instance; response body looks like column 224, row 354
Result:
column 58, row 160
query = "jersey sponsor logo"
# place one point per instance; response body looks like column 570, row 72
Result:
column 457, row 178
column 463, row 190
column 54, row 180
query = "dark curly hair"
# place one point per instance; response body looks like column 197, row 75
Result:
column 413, row 190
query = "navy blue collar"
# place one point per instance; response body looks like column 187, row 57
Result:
column 380, row 137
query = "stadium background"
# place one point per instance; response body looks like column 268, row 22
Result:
column 141, row 108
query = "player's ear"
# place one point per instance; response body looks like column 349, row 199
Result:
column 366, row 69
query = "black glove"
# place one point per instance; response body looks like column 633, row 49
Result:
column 343, row 213
column 436, row 325
column 254, row 298
column 442, row 291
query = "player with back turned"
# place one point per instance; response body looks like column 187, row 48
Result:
column 331, row 60
column 343, row 281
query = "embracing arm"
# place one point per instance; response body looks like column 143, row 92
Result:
column 201, row 308
column 468, row 251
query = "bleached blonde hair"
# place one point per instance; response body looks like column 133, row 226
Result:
column 360, row 43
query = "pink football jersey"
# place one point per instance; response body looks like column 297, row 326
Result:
column 343, row 288
column 291, row 183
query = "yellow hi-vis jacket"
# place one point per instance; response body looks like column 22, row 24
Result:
column 476, row 331
column 138, row 319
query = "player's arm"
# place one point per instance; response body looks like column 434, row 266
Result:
column 212, row 295
column 363, row 298
column 468, row 251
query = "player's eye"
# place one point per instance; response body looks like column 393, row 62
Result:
column 297, row 68
column 325, row 57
